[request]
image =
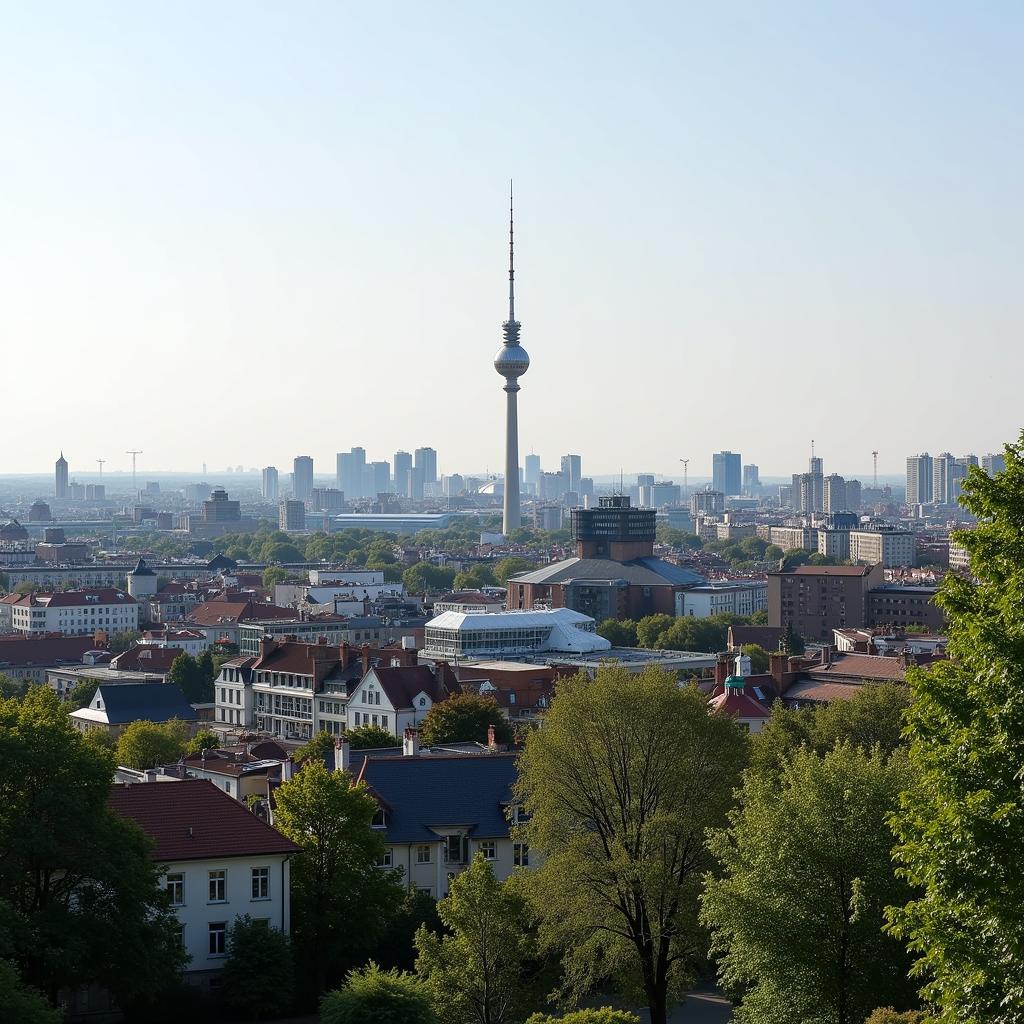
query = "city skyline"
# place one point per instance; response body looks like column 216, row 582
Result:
column 775, row 225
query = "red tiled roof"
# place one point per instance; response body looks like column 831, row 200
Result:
column 403, row 684
column 859, row 666
column 78, row 598
column 146, row 658
column 821, row 693
column 53, row 649
column 194, row 820
column 741, row 705
column 218, row 612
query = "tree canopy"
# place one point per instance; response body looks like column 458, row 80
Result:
column 341, row 899
column 465, row 718
column 424, row 578
column 797, row 913
column 194, row 676
column 371, row 737
column 473, row 970
column 257, row 979
column 622, row 784
column 961, row 829
column 145, row 744
column 79, row 894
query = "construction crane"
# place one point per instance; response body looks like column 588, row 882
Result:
column 686, row 476
column 133, row 452
column 874, row 455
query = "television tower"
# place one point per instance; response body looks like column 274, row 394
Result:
column 686, row 476
column 511, row 362
column 874, row 455
column 101, row 461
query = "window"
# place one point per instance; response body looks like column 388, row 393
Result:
column 487, row 849
column 261, row 883
column 454, row 847
column 176, row 889
column 217, row 935
column 217, row 892
column 385, row 860
column 423, row 853
column 521, row 855
column 380, row 818
column 181, row 935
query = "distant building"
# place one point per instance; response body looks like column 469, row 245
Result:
column 302, row 478
column 943, row 478
column 221, row 509
column 40, row 512
column 572, row 470
column 815, row 600
column 61, row 490
column 888, row 545
column 327, row 499
column 270, row 488
column 902, row 605
column 920, row 479
column 114, row 706
column 726, row 473
column 733, row 597
column 531, row 472
column 403, row 473
column 291, row 515
column 425, row 460
column 993, row 464
column 76, row 612
column 351, row 471
column 834, row 496
column 709, row 502
column 751, row 479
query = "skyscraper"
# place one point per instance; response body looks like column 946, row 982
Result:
column 920, row 478
column 302, row 478
column 380, row 476
column 993, row 464
column 61, row 473
column 572, row 469
column 751, row 479
column 834, row 494
column 426, row 460
column 270, row 487
column 531, row 474
column 943, row 477
column 726, row 475
column 511, row 362
column 351, row 472
column 403, row 471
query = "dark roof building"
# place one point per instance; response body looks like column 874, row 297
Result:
column 115, row 705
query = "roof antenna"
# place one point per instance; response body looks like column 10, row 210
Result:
column 511, row 264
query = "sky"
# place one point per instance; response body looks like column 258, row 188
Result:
column 236, row 232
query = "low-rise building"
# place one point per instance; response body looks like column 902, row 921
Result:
column 736, row 597
column 116, row 705
column 903, row 604
column 28, row 658
column 219, row 862
column 76, row 612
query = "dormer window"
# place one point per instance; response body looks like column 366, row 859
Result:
column 380, row 818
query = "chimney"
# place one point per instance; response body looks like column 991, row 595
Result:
column 342, row 749
column 723, row 667
column 267, row 644
column 907, row 658
column 411, row 742
column 826, row 654
column 365, row 650
column 779, row 664
column 492, row 743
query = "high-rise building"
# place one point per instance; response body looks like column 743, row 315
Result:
column 834, row 497
column 531, row 474
column 644, row 487
column 572, row 470
column 403, row 472
column 270, row 488
column 327, row 499
column 709, row 502
column 920, row 478
column 416, row 484
column 380, row 477
column 993, row 464
column 426, row 460
column 291, row 515
column 751, row 478
column 726, row 474
column 943, row 477
column 219, row 508
column 61, row 474
column 810, row 492
column 351, row 472
column 302, row 478
column 853, row 500
column 511, row 362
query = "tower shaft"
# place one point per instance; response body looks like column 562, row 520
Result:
column 512, row 514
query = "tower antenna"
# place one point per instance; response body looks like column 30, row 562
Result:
column 133, row 452
column 511, row 258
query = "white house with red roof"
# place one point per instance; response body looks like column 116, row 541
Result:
column 745, row 708
column 219, row 862
column 76, row 612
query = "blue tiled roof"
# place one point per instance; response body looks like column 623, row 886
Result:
column 437, row 791
column 152, row 702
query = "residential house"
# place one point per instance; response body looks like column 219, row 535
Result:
column 219, row 862
column 116, row 705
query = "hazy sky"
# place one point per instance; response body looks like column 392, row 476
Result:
column 237, row 232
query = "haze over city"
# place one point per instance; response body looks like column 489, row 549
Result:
column 736, row 228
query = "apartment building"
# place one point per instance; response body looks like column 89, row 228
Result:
column 890, row 546
column 75, row 612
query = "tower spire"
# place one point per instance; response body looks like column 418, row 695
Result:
column 511, row 261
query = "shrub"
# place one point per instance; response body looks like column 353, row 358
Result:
column 373, row 996
column 602, row 1015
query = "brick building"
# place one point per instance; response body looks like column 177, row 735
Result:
column 818, row 599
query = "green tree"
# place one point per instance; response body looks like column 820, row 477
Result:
column 276, row 552
column 791, row 642
column 273, row 575
column 601, row 1015
column 511, row 566
column 25, row 587
column 424, row 578
column 806, row 868
column 144, row 744
column 123, row 640
column 618, row 632
column 475, row 578
column 202, row 740
column 79, row 891
column 373, row 996
column 24, row 1004
column 340, row 897
column 257, row 978
column 195, row 684
column 465, row 718
column 759, row 660
column 759, row 618
column 207, row 669
column 320, row 746
column 622, row 784
column 5, row 581
column 473, row 971
column 650, row 628
column 13, row 687
column 371, row 737
column 961, row 829
column 396, row 947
